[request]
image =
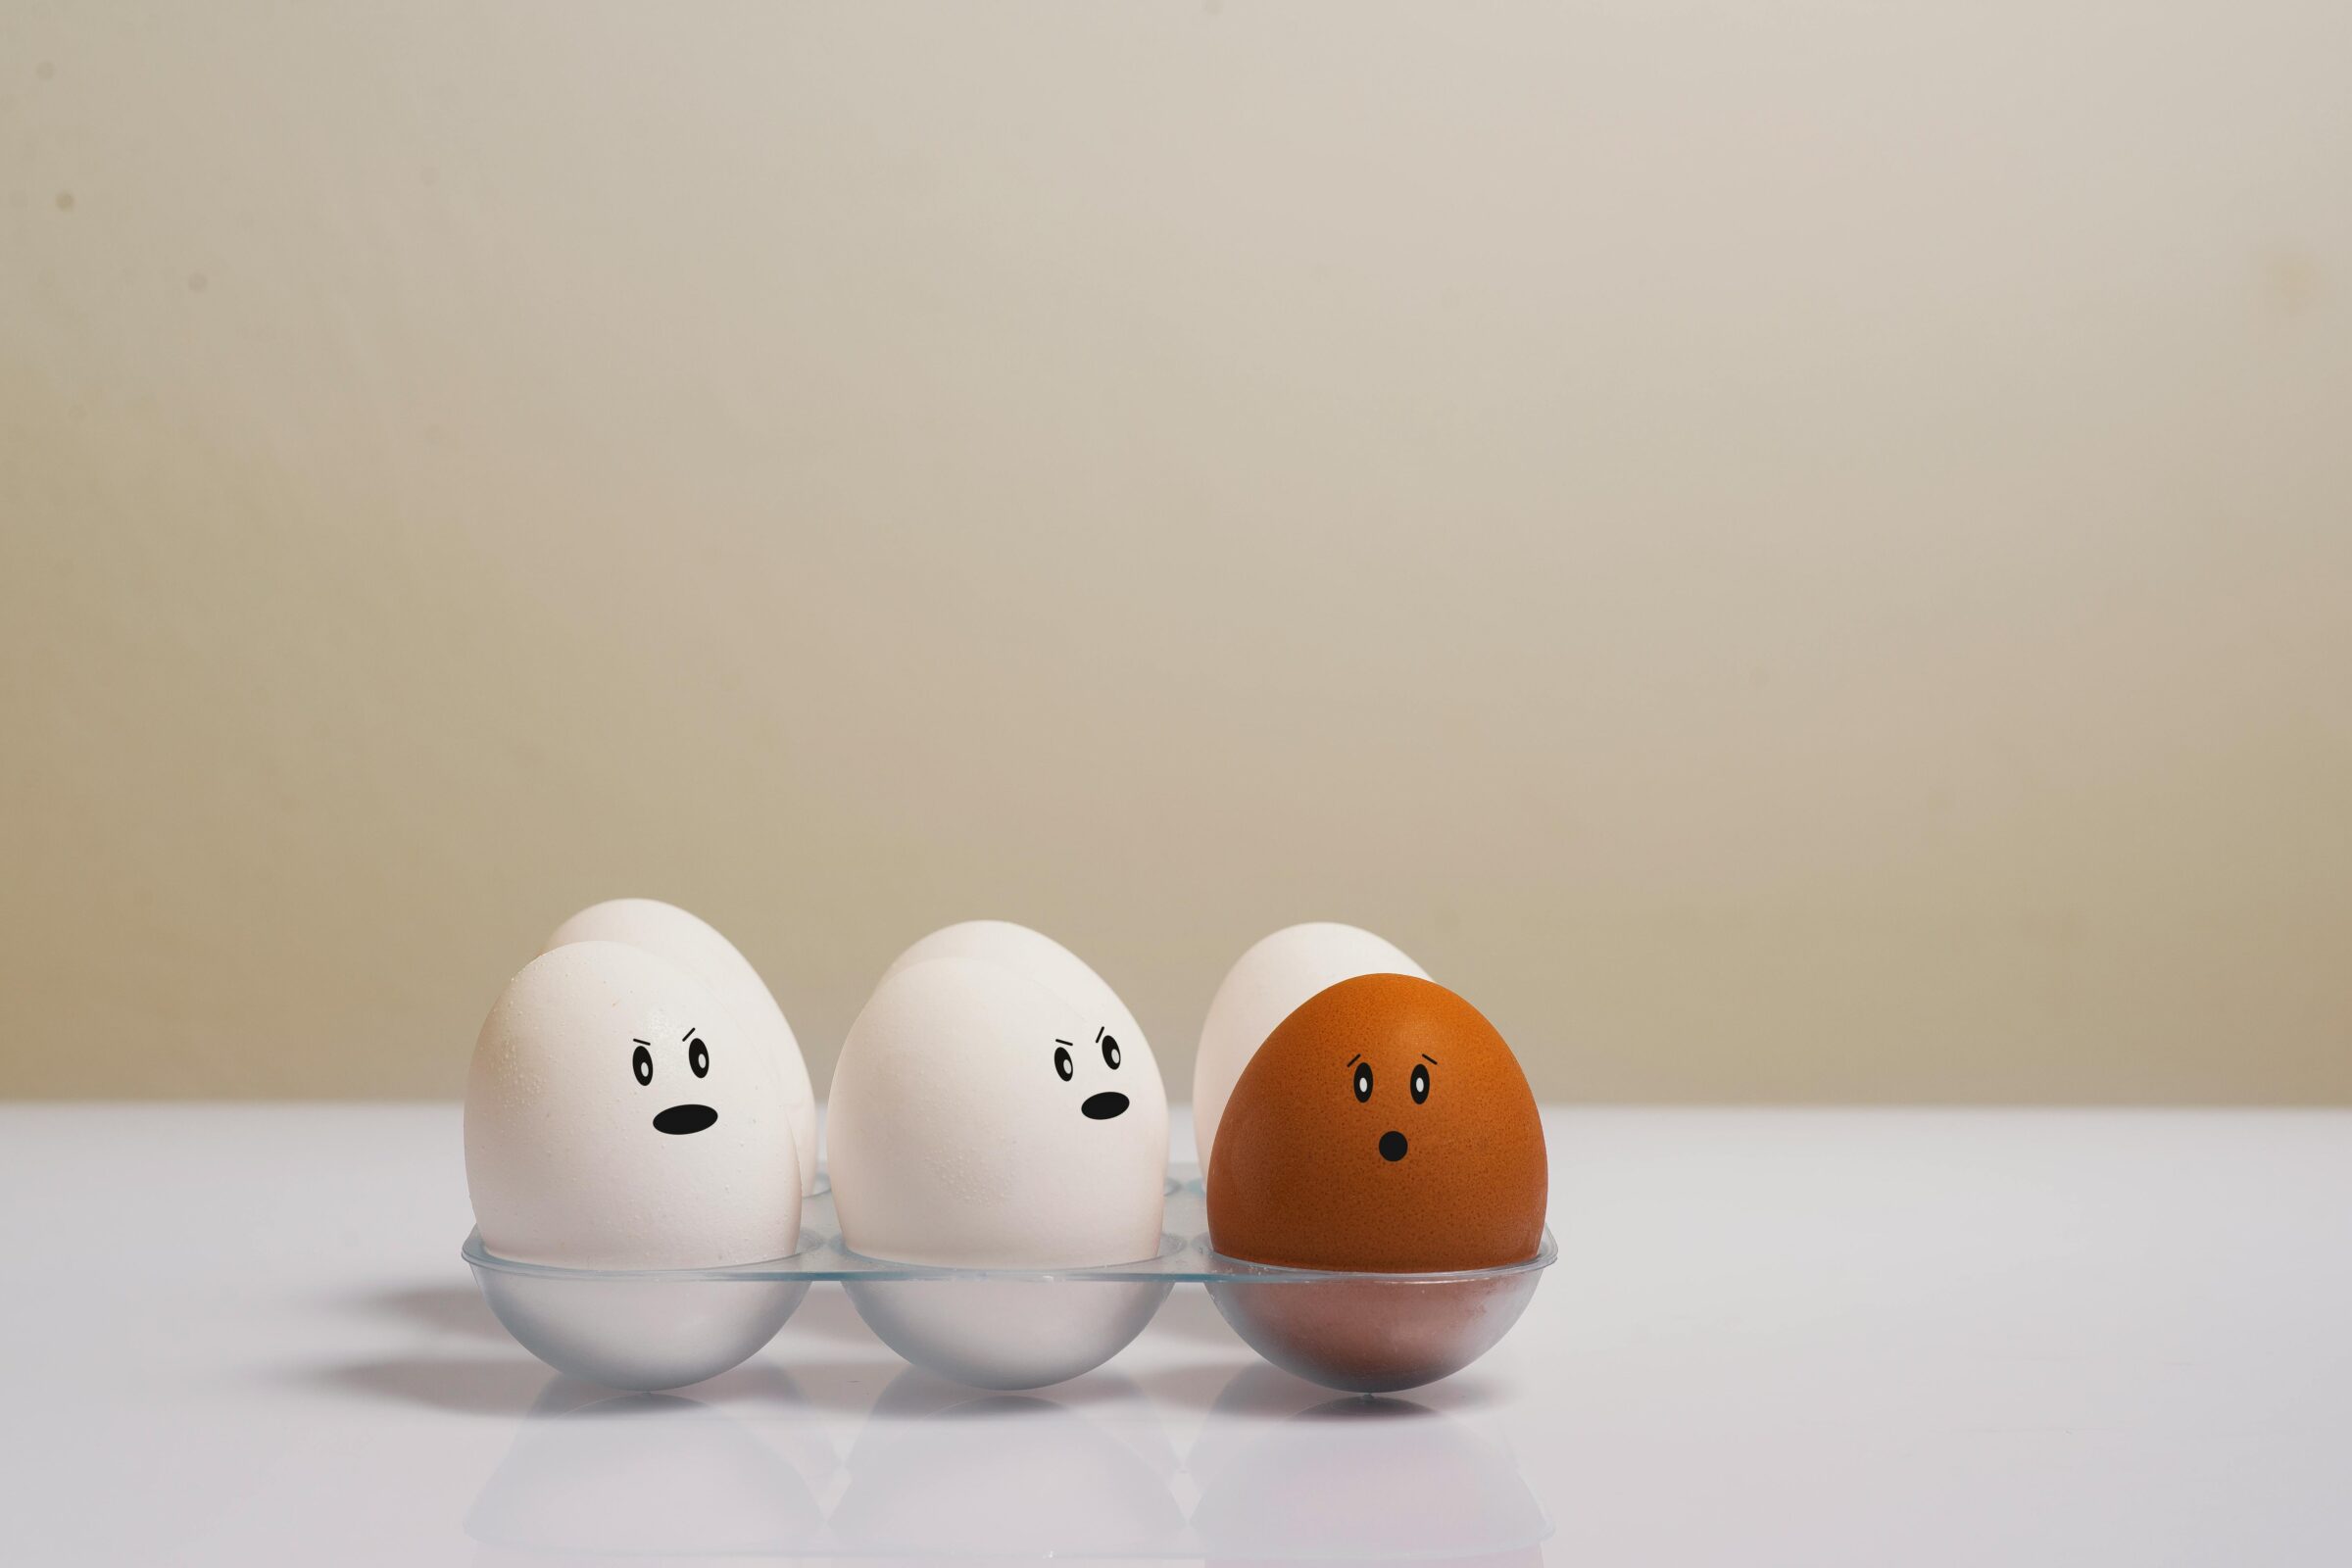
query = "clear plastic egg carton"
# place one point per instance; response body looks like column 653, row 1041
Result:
column 1008, row 1328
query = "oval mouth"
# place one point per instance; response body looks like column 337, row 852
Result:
column 1392, row 1147
column 685, row 1120
column 1105, row 1105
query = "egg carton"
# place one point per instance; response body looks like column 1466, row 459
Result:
column 1362, row 1333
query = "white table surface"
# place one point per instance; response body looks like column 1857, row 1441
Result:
column 242, row 1334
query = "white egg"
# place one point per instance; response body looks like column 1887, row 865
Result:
column 618, row 1117
column 669, row 932
column 1041, row 958
column 979, row 1119
column 1266, row 985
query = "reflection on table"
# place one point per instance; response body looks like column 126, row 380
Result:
column 1273, row 1470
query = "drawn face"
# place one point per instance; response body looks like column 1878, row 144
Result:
column 1384, row 1125
column 1394, row 1145
column 695, row 1054
column 1104, row 1103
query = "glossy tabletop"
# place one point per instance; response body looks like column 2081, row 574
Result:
column 243, row 1335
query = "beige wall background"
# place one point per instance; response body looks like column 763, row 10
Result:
column 1790, row 551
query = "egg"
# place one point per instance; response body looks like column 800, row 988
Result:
column 1383, row 1126
column 1041, row 958
column 669, row 932
column 618, row 1116
column 1261, row 989
column 978, row 1119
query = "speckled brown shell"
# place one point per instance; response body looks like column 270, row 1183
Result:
column 1298, row 1178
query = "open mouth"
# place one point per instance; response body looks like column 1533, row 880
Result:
column 685, row 1120
column 1105, row 1105
column 1392, row 1147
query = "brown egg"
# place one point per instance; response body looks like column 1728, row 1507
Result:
column 1382, row 1126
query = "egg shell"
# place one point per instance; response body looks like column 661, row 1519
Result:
column 1264, row 985
column 1303, row 1176
column 1041, row 958
column 696, row 945
column 562, row 1157
column 955, row 1140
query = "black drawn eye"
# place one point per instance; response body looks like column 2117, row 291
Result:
column 1110, row 1050
column 1363, row 1079
column 643, row 1061
column 1062, row 1063
column 1420, row 1082
column 698, row 1057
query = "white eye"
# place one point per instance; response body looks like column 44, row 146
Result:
column 1420, row 1082
column 698, row 1057
column 1363, row 1079
column 1110, row 1050
column 642, row 1064
column 1062, row 1063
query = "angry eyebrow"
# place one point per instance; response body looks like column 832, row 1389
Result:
column 1057, row 1039
column 1426, row 1056
column 1352, row 1060
column 1099, row 1034
column 687, row 1035
column 634, row 1041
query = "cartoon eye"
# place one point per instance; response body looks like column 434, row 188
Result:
column 643, row 1061
column 1363, row 1079
column 1110, row 1050
column 1062, row 1063
column 698, row 1057
column 1420, row 1082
